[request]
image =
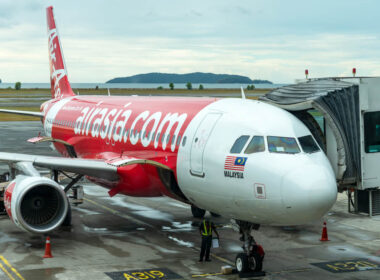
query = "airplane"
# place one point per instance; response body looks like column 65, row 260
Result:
column 239, row 158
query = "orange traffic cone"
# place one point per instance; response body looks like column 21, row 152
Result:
column 47, row 248
column 324, row 233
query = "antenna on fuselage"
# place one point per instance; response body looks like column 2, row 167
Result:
column 109, row 94
column 242, row 92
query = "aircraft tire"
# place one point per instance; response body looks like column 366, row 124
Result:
column 197, row 212
column 241, row 263
column 255, row 262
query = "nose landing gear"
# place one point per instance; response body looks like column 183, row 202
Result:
column 252, row 258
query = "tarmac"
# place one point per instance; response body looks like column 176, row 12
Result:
column 157, row 238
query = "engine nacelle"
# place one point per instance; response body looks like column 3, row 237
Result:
column 35, row 204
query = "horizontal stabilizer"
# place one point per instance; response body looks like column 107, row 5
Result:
column 25, row 113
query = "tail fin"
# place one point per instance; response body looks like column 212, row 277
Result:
column 60, row 86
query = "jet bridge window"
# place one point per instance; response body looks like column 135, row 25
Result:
column 308, row 144
column 372, row 132
column 286, row 145
column 256, row 145
column 239, row 144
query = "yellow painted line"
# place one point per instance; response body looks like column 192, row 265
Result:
column 291, row 270
column 205, row 275
column 6, row 272
column 11, row 267
column 115, row 212
column 222, row 259
column 217, row 257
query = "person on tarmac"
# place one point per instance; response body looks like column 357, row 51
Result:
column 205, row 229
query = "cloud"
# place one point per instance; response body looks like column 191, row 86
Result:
column 273, row 39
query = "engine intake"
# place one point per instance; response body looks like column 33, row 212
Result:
column 36, row 204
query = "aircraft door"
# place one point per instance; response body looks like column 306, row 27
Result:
column 199, row 143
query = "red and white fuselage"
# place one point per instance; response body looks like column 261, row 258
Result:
column 240, row 158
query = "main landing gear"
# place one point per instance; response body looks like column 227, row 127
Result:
column 253, row 256
column 77, row 193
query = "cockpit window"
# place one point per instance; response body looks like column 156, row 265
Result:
column 308, row 144
column 287, row 145
column 256, row 145
column 239, row 144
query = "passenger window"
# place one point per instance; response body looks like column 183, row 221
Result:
column 256, row 145
column 372, row 132
column 184, row 141
column 239, row 144
column 287, row 145
column 308, row 144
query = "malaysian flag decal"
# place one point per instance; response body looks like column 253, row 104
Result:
column 235, row 163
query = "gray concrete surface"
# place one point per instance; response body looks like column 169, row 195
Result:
column 124, row 234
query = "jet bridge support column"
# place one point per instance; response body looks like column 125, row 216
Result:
column 366, row 201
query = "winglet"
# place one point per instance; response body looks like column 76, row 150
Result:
column 242, row 92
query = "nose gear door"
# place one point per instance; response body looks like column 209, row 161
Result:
column 199, row 143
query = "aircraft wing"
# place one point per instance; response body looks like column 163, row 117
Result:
column 105, row 169
column 25, row 113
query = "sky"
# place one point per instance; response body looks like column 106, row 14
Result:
column 262, row 39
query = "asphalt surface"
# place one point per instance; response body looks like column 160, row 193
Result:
column 140, row 238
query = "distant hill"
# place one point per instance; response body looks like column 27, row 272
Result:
column 198, row 77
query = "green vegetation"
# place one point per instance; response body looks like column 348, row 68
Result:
column 24, row 94
column 45, row 92
column 201, row 87
column 17, row 85
column 250, row 87
column 160, row 88
column 171, row 85
column 189, row 86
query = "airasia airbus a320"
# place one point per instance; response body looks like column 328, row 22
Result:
column 239, row 158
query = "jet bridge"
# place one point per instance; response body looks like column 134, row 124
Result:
column 343, row 115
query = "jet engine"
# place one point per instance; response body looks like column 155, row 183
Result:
column 35, row 204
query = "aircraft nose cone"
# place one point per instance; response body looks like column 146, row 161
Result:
column 308, row 193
